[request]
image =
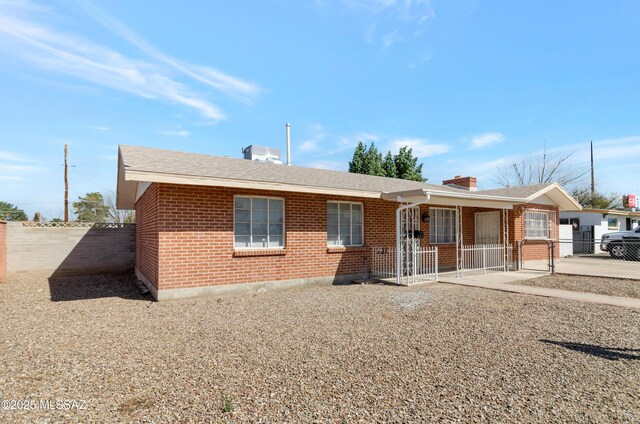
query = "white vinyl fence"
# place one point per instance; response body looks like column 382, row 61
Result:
column 480, row 258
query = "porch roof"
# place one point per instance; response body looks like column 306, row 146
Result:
column 503, row 198
column 139, row 166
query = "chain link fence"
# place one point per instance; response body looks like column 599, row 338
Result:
column 614, row 258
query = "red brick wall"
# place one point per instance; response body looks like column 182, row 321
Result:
column 3, row 251
column 147, row 234
column 184, row 237
column 531, row 249
column 196, row 238
column 468, row 182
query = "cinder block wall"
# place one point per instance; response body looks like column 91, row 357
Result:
column 3, row 251
column 68, row 251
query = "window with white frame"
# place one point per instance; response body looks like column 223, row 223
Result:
column 539, row 224
column 344, row 224
column 442, row 226
column 258, row 222
column 613, row 224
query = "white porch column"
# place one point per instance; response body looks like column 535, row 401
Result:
column 459, row 242
column 399, row 232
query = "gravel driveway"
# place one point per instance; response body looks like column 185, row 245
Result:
column 332, row 354
column 598, row 285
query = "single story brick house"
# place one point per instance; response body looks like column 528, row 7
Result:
column 210, row 225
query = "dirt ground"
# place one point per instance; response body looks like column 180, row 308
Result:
column 598, row 285
column 94, row 349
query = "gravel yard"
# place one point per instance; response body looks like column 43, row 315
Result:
column 598, row 285
column 366, row 353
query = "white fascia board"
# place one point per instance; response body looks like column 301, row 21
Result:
column 155, row 177
column 469, row 202
column 142, row 187
column 559, row 195
column 125, row 190
column 454, row 199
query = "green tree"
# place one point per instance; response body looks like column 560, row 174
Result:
column 357, row 163
column 596, row 201
column 91, row 208
column 407, row 167
column 389, row 166
column 368, row 160
column 373, row 162
column 9, row 212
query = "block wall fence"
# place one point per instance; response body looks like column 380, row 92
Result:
column 184, row 238
column 64, row 251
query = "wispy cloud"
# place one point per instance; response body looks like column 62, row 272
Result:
column 227, row 84
column 483, row 140
column 10, row 178
column 312, row 143
column 177, row 133
column 32, row 40
column 12, row 157
column 344, row 143
column 333, row 165
column 396, row 20
column 422, row 148
column 16, row 168
column 390, row 38
column 99, row 128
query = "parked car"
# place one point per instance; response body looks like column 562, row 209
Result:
column 612, row 242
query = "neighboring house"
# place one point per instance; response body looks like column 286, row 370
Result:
column 590, row 224
column 209, row 225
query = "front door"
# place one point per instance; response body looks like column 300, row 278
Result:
column 488, row 227
column 410, row 223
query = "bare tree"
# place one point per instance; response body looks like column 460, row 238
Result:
column 117, row 215
column 596, row 199
column 547, row 168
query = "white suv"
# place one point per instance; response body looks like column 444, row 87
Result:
column 612, row 242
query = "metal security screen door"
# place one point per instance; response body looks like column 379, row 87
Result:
column 487, row 227
column 410, row 224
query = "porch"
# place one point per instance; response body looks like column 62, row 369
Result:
column 436, row 235
column 421, row 264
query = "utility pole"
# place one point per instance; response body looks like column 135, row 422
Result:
column 593, row 180
column 66, row 187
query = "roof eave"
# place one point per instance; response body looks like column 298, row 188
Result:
column 563, row 199
column 157, row 177
column 125, row 189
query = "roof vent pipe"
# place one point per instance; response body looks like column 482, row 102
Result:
column 288, row 126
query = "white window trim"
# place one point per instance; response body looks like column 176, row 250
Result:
column 284, row 228
column 350, row 224
column 617, row 227
column 455, row 218
column 549, row 227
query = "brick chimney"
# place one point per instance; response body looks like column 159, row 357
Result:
column 466, row 183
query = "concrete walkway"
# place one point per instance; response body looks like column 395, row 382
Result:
column 500, row 281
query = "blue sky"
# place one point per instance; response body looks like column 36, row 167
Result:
column 470, row 85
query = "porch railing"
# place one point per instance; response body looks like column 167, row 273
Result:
column 417, row 265
column 480, row 258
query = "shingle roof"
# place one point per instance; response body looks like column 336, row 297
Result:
column 517, row 191
column 199, row 165
column 139, row 164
